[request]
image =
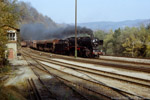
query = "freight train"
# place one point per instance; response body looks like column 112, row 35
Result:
column 86, row 46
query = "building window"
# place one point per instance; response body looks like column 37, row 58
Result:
column 11, row 36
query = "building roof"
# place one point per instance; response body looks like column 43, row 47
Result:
column 10, row 27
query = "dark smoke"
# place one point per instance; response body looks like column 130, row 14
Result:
column 70, row 30
column 40, row 32
column 32, row 31
column 42, row 27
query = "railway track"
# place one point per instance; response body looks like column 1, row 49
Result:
column 106, row 97
column 63, row 81
column 38, row 93
column 93, row 72
column 143, row 61
column 129, row 79
column 34, row 94
column 106, row 62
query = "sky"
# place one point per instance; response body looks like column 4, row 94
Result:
column 63, row 11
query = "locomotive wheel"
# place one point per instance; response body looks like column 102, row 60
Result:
column 86, row 52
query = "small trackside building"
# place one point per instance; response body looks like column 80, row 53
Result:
column 12, row 41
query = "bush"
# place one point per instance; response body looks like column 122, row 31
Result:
column 5, row 69
column 6, row 94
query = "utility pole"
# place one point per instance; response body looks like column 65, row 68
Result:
column 75, row 28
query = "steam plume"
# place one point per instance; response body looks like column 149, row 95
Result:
column 40, row 32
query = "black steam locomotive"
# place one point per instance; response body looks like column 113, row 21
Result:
column 86, row 46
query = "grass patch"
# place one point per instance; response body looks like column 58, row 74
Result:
column 10, row 93
column 5, row 69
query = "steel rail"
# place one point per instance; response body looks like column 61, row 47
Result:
column 58, row 55
column 127, row 92
column 45, row 70
column 58, row 77
column 42, row 83
column 97, row 72
column 34, row 89
column 29, row 90
column 100, row 62
column 109, row 77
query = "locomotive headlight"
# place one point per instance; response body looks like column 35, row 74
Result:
column 93, row 40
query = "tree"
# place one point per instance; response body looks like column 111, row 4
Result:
column 136, row 42
column 132, row 42
column 108, row 43
column 148, row 41
column 8, row 16
column 117, row 42
column 100, row 34
column 148, row 47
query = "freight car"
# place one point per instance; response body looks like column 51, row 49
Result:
column 48, row 47
column 32, row 44
column 23, row 44
column 86, row 46
column 61, row 47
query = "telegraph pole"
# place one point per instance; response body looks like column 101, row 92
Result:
column 75, row 28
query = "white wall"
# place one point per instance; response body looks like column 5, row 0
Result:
column 14, row 47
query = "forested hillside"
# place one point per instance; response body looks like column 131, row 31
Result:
column 31, row 15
